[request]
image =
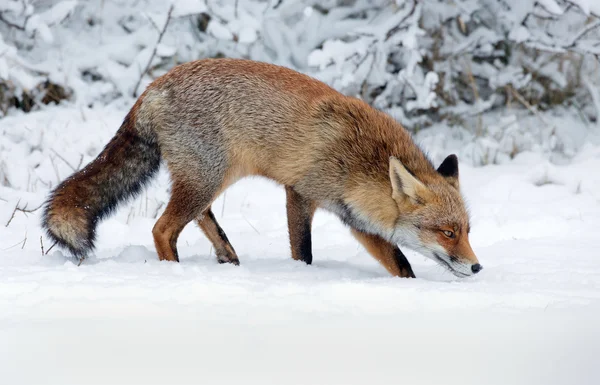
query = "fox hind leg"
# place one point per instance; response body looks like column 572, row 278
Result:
column 186, row 203
column 300, row 212
column 209, row 225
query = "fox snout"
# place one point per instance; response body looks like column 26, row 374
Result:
column 464, row 259
column 460, row 265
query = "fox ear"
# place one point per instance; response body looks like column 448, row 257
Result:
column 405, row 184
column 449, row 170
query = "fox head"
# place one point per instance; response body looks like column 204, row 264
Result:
column 433, row 219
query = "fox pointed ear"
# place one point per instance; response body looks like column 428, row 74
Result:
column 449, row 169
column 405, row 184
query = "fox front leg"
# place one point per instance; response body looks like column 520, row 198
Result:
column 300, row 212
column 387, row 254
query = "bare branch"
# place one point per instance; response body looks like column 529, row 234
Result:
column 583, row 31
column 398, row 26
column 24, row 209
column 55, row 169
column 13, row 213
column 16, row 244
column 250, row 224
column 577, row 5
column 525, row 103
column 160, row 36
column 11, row 24
column 80, row 162
column 223, row 207
column 151, row 20
column 158, row 209
column 50, row 248
column 63, row 159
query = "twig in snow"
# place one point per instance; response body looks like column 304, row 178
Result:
column 398, row 26
column 42, row 245
column 583, row 31
column 24, row 241
column 50, row 248
column 13, row 213
column 223, row 207
column 472, row 80
column 80, row 162
column 248, row 222
column 160, row 36
column 524, row 102
column 475, row 95
column 158, row 209
column 55, row 169
column 23, row 210
column 13, row 25
column 572, row 3
column 16, row 244
column 63, row 159
column 151, row 20
column 146, row 212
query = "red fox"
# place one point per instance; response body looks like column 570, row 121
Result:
column 215, row 121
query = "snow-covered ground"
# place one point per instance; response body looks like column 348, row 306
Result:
column 530, row 317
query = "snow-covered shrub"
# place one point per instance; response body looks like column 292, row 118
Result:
column 423, row 61
column 23, row 84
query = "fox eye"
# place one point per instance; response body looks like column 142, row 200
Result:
column 448, row 233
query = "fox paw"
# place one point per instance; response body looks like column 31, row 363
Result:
column 407, row 273
column 228, row 259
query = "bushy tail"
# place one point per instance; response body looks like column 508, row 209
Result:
column 118, row 173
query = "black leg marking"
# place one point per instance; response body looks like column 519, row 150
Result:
column 300, row 212
column 403, row 263
column 305, row 248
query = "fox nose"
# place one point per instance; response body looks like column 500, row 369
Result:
column 476, row 268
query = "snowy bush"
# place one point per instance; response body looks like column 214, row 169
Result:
column 464, row 63
column 23, row 24
column 429, row 60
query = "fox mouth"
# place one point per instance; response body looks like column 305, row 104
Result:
column 449, row 267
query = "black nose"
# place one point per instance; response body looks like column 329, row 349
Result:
column 476, row 268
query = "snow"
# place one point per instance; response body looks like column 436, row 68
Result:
column 588, row 6
column 530, row 317
column 188, row 7
column 11, row 6
column 529, row 174
column 551, row 6
column 219, row 31
column 58, row 12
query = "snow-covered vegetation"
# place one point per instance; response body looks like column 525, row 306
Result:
column 511, row 86
column 425, row 62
